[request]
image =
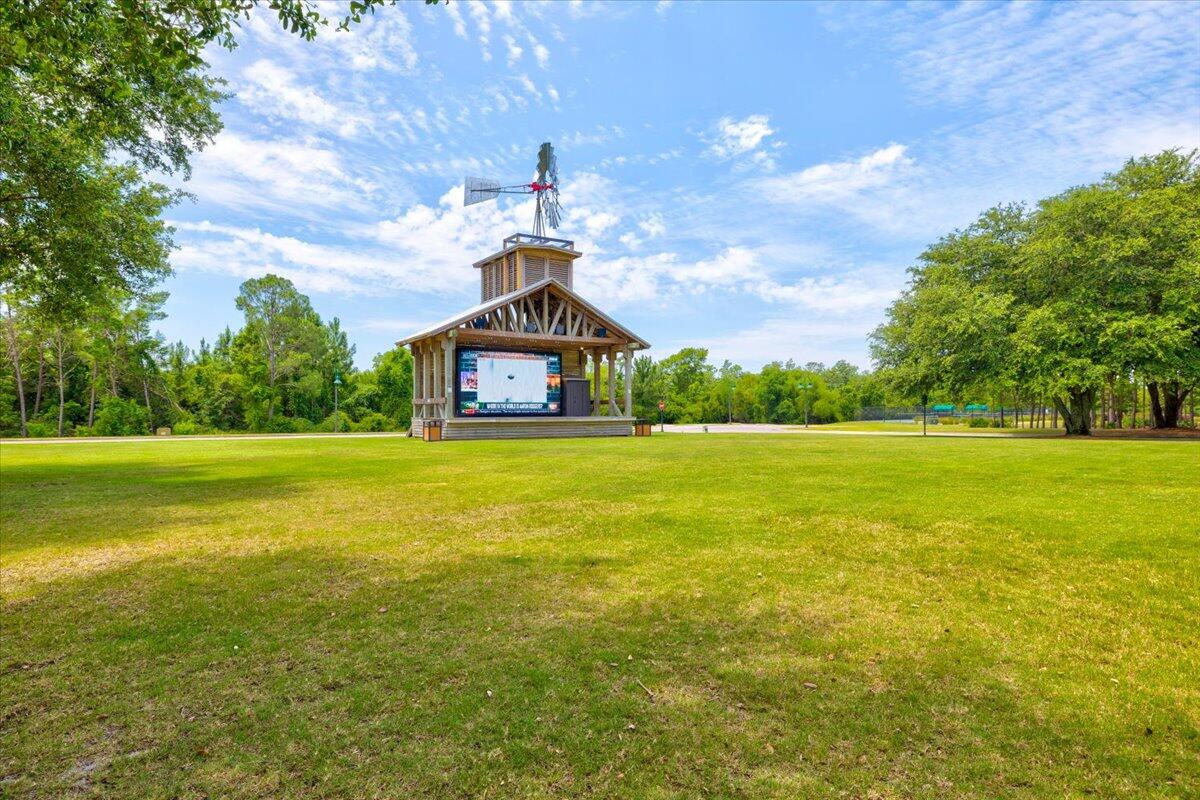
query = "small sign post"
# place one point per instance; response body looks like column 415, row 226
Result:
column 662, row 406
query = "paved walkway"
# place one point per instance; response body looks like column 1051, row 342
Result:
column 738, row 427
column 233, row 437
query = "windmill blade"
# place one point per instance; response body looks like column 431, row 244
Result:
column 545, row 162
column 553, row 209
column 480, row 190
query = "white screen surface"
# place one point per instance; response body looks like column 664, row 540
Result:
column 511, row 380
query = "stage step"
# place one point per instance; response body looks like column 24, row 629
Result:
column 535, row 428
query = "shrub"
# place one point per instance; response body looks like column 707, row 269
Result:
column 286, row 425
column 38, row 429
column 375, row 422
column 344, row 423
column 119, row 417
column 187, row 427
column 979, row 422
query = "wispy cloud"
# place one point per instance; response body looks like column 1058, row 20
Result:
column 835, row 183
column 735, row 137
column 273, row 91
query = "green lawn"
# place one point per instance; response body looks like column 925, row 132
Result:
column 679, row 616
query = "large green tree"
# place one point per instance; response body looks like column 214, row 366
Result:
column 1095, row 283
column 281, row 320
column 93, row 93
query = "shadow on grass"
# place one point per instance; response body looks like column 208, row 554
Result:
column 301, row 673
column 41, row 502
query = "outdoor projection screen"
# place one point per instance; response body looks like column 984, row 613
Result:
column 498, row 383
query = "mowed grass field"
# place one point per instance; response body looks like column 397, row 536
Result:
column 680, row 616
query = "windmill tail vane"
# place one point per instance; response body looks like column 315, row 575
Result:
column 544, row 188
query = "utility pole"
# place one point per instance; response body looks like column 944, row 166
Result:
column 924, row 415
column 806, row 387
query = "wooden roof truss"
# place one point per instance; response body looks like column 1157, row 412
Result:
column 543, row 314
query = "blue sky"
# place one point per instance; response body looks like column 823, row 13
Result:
column 751, row 178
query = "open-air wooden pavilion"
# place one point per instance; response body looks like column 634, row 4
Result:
column 529, row 316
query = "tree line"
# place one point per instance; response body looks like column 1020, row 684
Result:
column 692, row 390
column 111, row 374
column 1082, row 300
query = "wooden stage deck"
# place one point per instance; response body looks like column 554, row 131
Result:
column 459, row 428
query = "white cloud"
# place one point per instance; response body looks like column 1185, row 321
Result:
column 599, row 135
column 297, row 176
column 842, row 294
column 529, row 86
column 662, row 7
column 737, row 137
column 460, row 25
column 552, row 93
column 791, row 337
column 503, row 11
column 483, row 22
column 653, row 225
column 272, row 90
column 1055, row 87
column 598, row 223
column 542, row 54
column 392, row 325
column 384, row 41
column 835, row 182
column 515, row 50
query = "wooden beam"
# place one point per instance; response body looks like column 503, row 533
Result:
column 521, row 339
column 562, row 306
column 628, row 354
column 426, row 378
column 612, row 382
column 595, row 382
column 448, row 374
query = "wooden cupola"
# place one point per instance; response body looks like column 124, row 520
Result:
column 524, row 260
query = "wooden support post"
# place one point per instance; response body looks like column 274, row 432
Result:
column 448, row 382
column 416, row 392
column 418, row 377
column 612, row 382
column 628, row 354
column 595, row 382
column 435, row 373
column 427, row 374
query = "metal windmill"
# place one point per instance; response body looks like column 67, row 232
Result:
column 544, row 189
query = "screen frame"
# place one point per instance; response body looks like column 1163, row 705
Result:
column 486, row 349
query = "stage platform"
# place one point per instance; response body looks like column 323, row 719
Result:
column 460, row 428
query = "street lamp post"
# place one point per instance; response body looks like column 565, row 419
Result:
column 337, row 420
column 806, row 387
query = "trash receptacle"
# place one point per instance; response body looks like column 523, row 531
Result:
column 641, row 427
column 431, row 431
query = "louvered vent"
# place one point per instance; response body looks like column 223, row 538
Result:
column 510, row 267
column 483, row 285
column 535, row 269
column 561, row 272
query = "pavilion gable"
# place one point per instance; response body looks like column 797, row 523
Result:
column 545, row 313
